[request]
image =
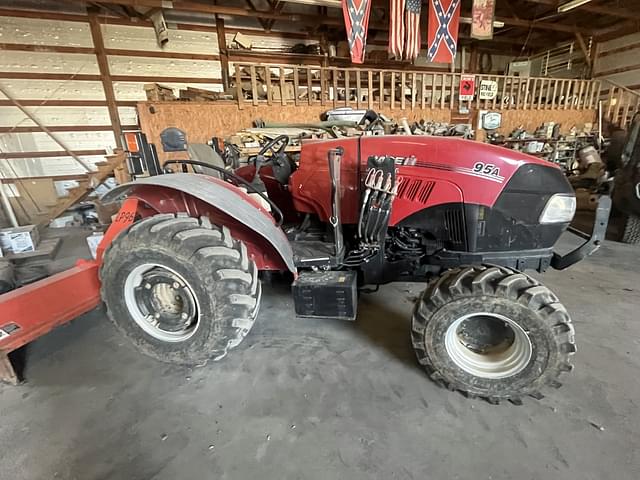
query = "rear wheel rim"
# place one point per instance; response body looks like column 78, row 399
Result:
column 488, row 345
column 162, row 303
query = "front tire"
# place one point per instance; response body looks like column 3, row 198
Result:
column 492, row 332
column 181, row 289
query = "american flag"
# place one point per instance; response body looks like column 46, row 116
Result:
column 356, row 21
column 404, row 29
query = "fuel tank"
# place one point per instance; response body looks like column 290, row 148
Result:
column 431, row 171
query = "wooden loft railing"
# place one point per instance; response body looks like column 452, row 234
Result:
column 620, row 104
column 258, row 84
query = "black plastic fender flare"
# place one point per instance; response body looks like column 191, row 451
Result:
column 227, row 198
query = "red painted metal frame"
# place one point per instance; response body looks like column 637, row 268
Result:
column 33, row 310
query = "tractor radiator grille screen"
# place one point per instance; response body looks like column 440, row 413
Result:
column 454, row 224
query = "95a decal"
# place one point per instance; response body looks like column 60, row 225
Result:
column 488, row 169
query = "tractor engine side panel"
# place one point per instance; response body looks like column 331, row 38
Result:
column 310, row 184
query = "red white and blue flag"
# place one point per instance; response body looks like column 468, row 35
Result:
column 404, row 29
column 356, row 22
column 442, row 36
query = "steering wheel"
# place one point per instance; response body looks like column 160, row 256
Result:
column 281, row 140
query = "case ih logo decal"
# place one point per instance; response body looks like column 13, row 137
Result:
column 488, row 171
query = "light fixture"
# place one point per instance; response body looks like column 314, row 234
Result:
column 565, row 7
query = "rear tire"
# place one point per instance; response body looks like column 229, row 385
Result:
column 631, row 233
column 492, row 332
column 182, row 290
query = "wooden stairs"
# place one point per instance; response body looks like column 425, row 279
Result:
column 85, row 187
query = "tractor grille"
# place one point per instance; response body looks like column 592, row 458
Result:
column 454, row 224
column 414, row 189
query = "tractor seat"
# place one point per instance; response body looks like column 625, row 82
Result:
column 202, row 152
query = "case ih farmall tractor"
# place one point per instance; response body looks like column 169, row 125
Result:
column 179, row 267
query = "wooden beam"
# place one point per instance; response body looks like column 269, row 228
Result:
column 107, row 83
column 19, row 47
column 63, row 153
column 613, row 71
column 613, row 51
column 222, row 50
column 43, row 128
column 66, row 103
column 114, row 78
column 611, row 11
column 583, row 47
column 65, row 128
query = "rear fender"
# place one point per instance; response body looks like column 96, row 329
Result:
column 223, row 203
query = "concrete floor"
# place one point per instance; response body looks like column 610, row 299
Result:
column 328, row 399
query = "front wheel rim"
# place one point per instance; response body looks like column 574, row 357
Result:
column 501, row 359
column 162, row 303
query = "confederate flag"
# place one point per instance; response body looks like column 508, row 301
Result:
column 442, row 37
column 356, row 22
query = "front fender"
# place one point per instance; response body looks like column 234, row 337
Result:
column 220, row 195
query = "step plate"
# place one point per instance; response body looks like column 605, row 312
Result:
column 329, row 294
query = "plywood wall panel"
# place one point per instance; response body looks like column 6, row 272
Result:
column 201, row 121
column 137, row 38
column 44, row 32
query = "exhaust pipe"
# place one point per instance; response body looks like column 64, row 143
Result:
column 335, row 159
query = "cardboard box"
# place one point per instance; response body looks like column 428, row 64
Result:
column 19, row 239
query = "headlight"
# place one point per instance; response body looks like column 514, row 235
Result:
column 559, row 209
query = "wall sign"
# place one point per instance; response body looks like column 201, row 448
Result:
column 467, row 87
column 491, row 120
column 488, row 90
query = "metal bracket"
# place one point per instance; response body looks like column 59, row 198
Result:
column 593, row 242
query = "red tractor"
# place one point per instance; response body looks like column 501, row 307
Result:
column 180, row 269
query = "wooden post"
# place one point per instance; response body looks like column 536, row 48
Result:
column 504, row 91
column 283, row 101
column 381, row 91
column 239, row 87
column 403, row 97
column 358, row 89
column 423, row 90
column 267, row 79
column 296, row 84
column 555, row 93
column 347, row 94
column 511, row 85
column 433, row 91
column 309, row 86
column 107, row 84
column 335, row 87
column 566, row 98
column 254, row 85
column 323, row 85
column 580, row 92
column 495, row 99
column 413, row 90
column 222, row 51
column 393, row 90
column 443, row 90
